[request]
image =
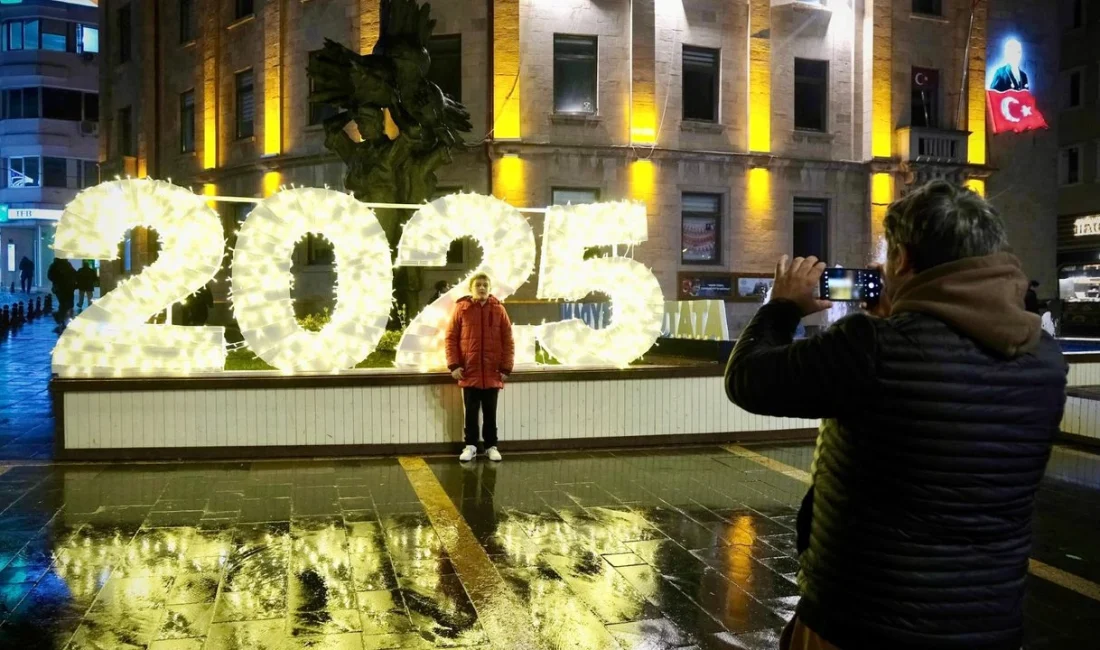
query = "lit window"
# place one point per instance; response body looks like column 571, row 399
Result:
column 700, row 228
column 87, row 38
column 53, row 35
column 22, row 35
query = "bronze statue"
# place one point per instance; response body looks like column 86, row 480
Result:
column 406, row 127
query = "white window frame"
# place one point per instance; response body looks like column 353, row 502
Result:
column 12, row 180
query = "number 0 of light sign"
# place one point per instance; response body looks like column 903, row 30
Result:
column 114, row 338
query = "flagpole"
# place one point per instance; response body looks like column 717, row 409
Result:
column 963, row 126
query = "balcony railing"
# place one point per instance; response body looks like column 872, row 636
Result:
column 925, row 145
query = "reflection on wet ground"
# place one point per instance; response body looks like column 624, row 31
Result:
column 656, row 549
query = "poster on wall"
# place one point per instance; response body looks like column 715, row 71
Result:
column 754, row 288
column 1012, row 107
column 706, row 286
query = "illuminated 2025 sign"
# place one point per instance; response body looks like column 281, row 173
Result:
column 113, row 338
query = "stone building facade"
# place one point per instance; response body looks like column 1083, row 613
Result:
column 1079, row 132
column 795, row 121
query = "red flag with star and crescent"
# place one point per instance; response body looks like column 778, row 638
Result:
column 1014, row 110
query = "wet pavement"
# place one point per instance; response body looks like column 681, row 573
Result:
column 674, row 548
column 26, row 416
column 654, row 549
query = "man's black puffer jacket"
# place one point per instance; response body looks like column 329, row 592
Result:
column 926, row 467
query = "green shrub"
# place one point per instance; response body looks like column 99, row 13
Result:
column 315, row 322
column 390, row 340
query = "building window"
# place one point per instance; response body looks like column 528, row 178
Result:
column 125, row 33
column 811, row 228
column 55, row 172
column 243, row 9
column 53, row 35
column 23, row 172
column 446, row 68
column 20, row 104
column 87, row 39
column 187, row 122
column 1073, row 89
column 91, row 107
column 246, row 106
column 811, row 94
column 187, row 21
column 61, row 104
column 700, row 228
column 574, row 196
column 55, row 104
column 925, row 98
column 700, row 68
column 21, row 35
column 319, row 111
column 1069, row 166
column 574, row 74
column 87, row 173
column 928, row 7
column 125, row 132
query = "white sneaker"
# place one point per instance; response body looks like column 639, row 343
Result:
column 493, row 454
column 468, row 454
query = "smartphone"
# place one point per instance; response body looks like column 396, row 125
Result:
column 851, row 285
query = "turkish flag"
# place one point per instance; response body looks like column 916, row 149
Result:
column 1014, row 110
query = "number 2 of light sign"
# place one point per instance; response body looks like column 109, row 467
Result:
column 113, row 336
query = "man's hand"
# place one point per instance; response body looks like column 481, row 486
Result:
column 457, row 374
column 881, row 307
column 796, row 282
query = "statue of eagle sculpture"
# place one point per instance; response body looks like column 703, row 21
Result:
column 388, row 164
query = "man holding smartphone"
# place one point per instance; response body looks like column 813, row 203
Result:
column 939, row 408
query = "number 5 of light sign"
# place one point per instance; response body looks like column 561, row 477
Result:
column 113, row 337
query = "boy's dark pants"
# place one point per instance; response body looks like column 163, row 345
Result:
column 484, row 400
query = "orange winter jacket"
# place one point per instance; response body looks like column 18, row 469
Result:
column 479, row 340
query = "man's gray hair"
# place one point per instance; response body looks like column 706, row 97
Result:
column 940, row 223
